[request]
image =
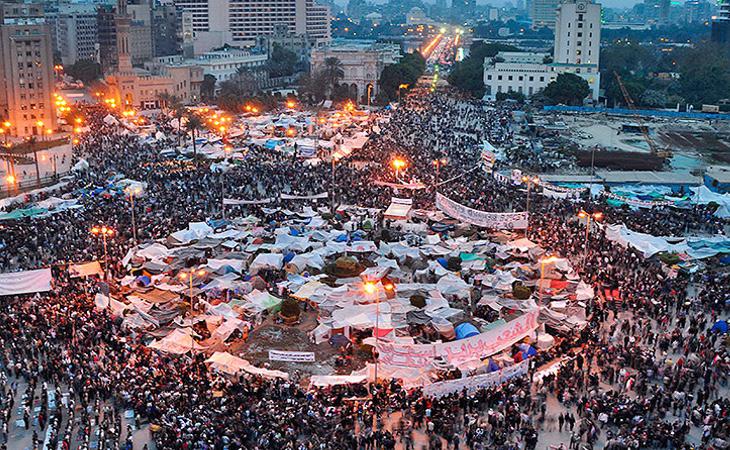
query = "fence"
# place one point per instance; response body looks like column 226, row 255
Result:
column 638, row 112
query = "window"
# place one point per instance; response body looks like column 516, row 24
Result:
column 499, row 77
column 532, row 78
column 520, row 78
column 580, row 34
column 542, row 79
column 509, row 78
column 580, row 24
column 489, row 77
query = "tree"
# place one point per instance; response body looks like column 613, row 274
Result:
column 84, row 70
column 194, row 124
column 282, row 62
column 207, row 87
column 168, row 101
column 704, row 74
column 312, row 86
column 568, row 89
column 333, row 72
column 407, row 71
column 510, row 95
column 179, row 112
column 468, row 74
column 230, row 96
column 654, row 98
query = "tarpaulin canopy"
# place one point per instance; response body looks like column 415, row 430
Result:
column 399, row 208
column 85, row 270
column 233, row 365
column 27, row 282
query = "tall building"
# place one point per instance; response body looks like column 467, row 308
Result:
column 463, row 9
column 241, row 22
column 107, row 31
column 166, row 30
column 576, row 51
column 77, row 35
column 26, row 69
column 721, row 24
column 138, row 88
column 543, row 13
column 140, row 31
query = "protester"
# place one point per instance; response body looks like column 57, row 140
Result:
column 646, row 373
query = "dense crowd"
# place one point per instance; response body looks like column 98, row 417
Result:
column 643, row 374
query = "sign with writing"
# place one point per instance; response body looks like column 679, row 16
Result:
column 455, row 352
column 473, row 384
column 281, row 355
column 497, row 221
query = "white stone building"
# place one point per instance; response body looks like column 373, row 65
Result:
column 577, row 49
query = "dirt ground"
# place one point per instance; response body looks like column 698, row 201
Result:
column 271, row 335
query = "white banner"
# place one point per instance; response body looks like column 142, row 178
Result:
column 454, row 352
column 235, row 201
column 281, row 355
column 304, row 197
column 473, row 384
column 497, row 221
column 28, row 282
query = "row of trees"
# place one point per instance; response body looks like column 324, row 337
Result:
column 408, row 70
column 693, row 75
column 468, row 74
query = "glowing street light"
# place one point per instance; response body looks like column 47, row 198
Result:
column 530, row 181
column 291, row 104
column 438, row 164
column 596, row 216
column 104, row 231
column 398, row 164
column 189, row 276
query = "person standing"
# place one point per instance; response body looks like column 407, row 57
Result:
column 561, row 421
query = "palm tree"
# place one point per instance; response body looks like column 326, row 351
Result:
column 333, row 71
column 194, row 123
column 32, row 141
column 179, row 112
column 167, row 100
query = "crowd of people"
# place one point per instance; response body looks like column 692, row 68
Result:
column 646, row 373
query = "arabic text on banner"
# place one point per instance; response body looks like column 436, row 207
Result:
column 473, row 384
column 497, row 221
column 455, row 352
column 281, row 355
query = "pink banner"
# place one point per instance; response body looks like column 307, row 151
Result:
column 455, row 352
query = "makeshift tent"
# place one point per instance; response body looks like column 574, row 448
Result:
column 27, row 282
column 85, row 270
column 399, row 209
column 233, row 365
column 465, row 330
column 719, row 327
column 177, row 342
column 263, row 261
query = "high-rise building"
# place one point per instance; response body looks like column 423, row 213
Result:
column 77, row 36
column 107, row 31
column 578, row 40
column 240, row 22
column 140, row 31
column 543, row 13
column 721, row 24
column 26, row 69
column 166, row 30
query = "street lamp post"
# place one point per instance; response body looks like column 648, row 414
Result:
column 133, row 192
column 104, row 231
column 370, row 290
column 438, row 163
column 529, row 181
column 588, row 217
column 188, row 276
column 543, row 261
column 398, row 164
